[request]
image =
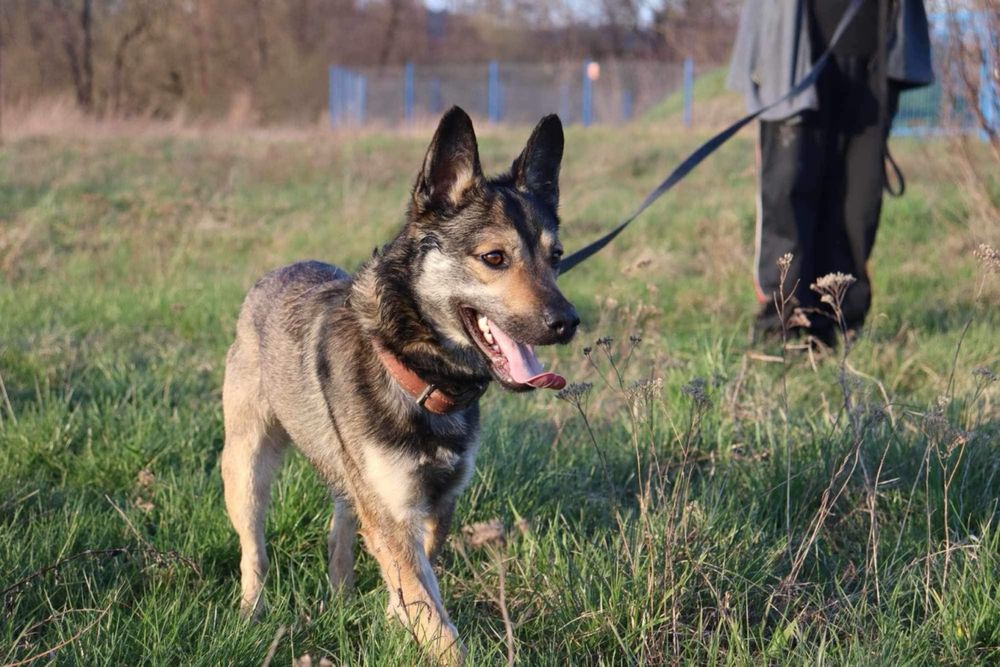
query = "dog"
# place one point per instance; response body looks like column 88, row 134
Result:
column 376, row 377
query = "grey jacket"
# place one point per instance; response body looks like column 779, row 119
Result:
column 773, row 51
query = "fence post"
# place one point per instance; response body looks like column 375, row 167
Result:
column 626, row 104
column 408, row 92
column 989, row 96
column 333, row 99
column 493, row 93
column 688, row 90
column 343, row 95
column 989, row 100
column 564, row 104
column 437, row 105
column 361, row 93
column 347, row 95
column 586, row 95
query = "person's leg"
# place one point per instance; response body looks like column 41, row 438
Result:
column 855, row 195
column 865, row 167
column 837, row 91
column 790, row 184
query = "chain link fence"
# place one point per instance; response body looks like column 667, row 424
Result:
column 612, row 92
column 941, row 108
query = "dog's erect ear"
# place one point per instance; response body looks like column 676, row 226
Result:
column 536, row 169
column 451, row 165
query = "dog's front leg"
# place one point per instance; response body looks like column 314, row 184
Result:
column 414, row 597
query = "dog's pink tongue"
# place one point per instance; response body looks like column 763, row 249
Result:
column 523, row 364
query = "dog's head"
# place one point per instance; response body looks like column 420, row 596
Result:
column 489, row 251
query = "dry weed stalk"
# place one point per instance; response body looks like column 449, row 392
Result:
column 637, row 396
column 662, row 485
column 989, row 265
column 972, row 27
column 642, row 397
column 781, row 302
column 667, row 489
column 146, row 554
column 6, row 401
column 697, row 391
column 577, row 394
column 51, row 652
column 491, row 536
column 832, row 289
column 989, row 258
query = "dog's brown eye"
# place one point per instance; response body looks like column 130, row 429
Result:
column 556, row 256
column 493, row 258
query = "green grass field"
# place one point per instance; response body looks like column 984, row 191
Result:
column 737, row 513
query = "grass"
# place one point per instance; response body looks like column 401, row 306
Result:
column 683, row 520
column 709, row 89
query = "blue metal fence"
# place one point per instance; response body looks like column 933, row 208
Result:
column 587, row 93
column 933, row 110
column 348, row 96
column 688, row 91
column 494, row 93
column 618, row 91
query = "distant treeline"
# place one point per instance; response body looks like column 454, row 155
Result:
column 266, row 60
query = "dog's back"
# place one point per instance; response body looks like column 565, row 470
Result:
column 286, row 299
column 277, row 317
column 269, row 363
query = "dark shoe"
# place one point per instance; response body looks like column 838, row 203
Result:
column 767, row 325
column 826, row 336
column 831, row 336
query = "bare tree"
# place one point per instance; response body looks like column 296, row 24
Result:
column 970, row 80
column 127, row 38
column 395, row 9
column 162, row 57
column 77, row 43
column 702, row 29
column 971, row 72
column 262, row 45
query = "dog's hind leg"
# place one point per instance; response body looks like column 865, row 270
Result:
column 436, row 528
column 340, row 545
column 255, row 442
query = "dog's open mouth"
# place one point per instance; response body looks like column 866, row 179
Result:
column 514, row 364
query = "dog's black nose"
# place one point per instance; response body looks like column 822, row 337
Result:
column 562, row 321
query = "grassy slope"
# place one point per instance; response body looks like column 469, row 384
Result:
column 709, row 88
column 123, row 265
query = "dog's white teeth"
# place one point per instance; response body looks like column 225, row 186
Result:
column 484, row 327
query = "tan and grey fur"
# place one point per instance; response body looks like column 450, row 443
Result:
column 303, row 370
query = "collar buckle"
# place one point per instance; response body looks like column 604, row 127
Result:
column 425, row 394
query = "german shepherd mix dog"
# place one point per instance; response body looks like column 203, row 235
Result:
column 376, row 378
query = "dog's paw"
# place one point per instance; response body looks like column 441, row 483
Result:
column 452, row 653
column 438, row 636
column 252, row 610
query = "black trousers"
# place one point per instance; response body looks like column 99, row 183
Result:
column 821, row 177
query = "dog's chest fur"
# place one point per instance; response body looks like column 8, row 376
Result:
column 408, row 483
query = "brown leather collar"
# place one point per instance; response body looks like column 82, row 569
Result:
column 426, row 395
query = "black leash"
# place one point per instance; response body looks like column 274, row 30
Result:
column 713, row 144
column 888, row 12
